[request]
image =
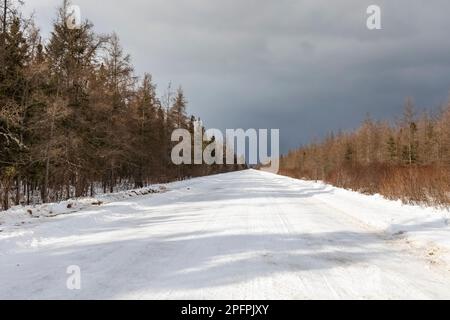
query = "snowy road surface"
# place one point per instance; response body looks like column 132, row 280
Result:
column 244, row 235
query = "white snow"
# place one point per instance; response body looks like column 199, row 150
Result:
column 243, row 235
column 20, row 215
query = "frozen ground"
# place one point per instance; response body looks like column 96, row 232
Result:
column 243, row 235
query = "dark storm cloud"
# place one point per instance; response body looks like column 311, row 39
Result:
column 305, row 67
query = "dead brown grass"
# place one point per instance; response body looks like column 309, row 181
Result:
column 424, row 185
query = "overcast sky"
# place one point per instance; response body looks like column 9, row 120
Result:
column 303, row 66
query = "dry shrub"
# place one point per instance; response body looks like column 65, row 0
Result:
column 428, row 185
column 365, row 179
column 418, row 185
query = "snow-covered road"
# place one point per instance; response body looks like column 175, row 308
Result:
column 243, row 235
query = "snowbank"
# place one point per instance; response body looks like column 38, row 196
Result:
column 424, row 228
column 20, row 215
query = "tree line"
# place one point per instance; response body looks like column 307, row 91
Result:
column 407, row 159
column 75, row 119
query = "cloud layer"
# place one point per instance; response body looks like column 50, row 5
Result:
column 303, row 66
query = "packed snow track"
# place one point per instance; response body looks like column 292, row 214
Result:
column 242, row 235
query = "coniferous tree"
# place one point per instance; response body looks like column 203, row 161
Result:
column 73, row 122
